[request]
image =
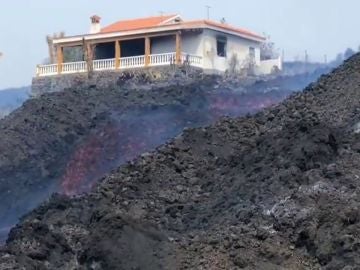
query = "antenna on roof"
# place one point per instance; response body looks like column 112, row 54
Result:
column 208, row 12
column 161, row 13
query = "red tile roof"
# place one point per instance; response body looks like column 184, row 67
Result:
column 221, row 26
column 159, row 21
column 135, row 24
column 228, row 27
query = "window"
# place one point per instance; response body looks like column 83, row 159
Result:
column 252, row 53
column 221, row 47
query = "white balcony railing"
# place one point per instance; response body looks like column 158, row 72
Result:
column 45, row 70
column 125, row 63
column 132, row 62
column 74, row 67
column 162, row 59
column 192, row 60
column 104, row 64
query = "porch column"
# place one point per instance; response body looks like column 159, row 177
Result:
column 178, row 48
column 90, row 56
column 147, row 51
column 117, row 54
column 60, row 58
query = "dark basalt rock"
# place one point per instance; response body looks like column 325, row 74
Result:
column 277, row 190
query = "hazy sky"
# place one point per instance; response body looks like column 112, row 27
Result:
column 318, row 26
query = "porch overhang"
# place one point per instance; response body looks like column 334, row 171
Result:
column 150, row 32
column 103, row 38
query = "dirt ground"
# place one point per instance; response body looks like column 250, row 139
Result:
column 277, row 190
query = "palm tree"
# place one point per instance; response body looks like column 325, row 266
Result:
column 50, row 43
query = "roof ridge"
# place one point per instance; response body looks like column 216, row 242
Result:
column 160, row 21
column 149, row 17
column 135, row 23
column 169, row 18
column 233, row 28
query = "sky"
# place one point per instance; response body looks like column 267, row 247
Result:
column 320, row 27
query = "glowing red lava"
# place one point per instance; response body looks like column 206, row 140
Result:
column 133, row 133
column 86, row 164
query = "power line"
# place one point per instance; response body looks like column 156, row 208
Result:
column 208, row 12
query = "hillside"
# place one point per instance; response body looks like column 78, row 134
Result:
column 11, row 99
column 278, row 190
column 65, row 142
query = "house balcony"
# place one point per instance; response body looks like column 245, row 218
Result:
column 165, row 59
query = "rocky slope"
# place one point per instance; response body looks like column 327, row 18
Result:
column 274, row 191
column 64, row 142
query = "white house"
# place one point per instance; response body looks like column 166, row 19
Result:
column 212, row 46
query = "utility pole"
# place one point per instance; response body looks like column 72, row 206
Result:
column 208, row 12
column 306, row 57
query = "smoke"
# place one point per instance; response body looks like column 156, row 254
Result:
column 141, row 129
column 238, row 104
column 127, row 134
column 36, row 195
column 123, row 138
column 90, row 161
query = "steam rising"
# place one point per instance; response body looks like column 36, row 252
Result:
column 141, row 129
column 128, row 134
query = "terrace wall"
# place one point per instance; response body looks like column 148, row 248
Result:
column 136, row 78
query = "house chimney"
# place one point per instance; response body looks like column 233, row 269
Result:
column 95, row 24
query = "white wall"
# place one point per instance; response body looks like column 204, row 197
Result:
column 166, row 44
column 267, row 66
column 205, row 44
column 235, row 46
column 191, row 44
